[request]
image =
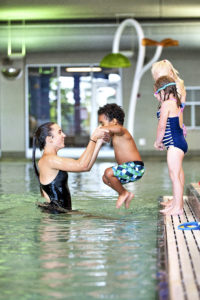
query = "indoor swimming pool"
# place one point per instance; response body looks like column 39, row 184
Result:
column 101, row 253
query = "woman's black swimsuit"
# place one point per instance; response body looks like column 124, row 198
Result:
column 58, row 191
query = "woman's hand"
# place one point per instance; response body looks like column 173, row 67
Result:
column 100, row 133
column 159, row 146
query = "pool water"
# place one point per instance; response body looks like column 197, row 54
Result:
column 101, row 253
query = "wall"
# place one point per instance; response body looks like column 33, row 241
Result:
column 12, row 97
column 12, row 114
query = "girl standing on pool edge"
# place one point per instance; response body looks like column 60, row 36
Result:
column 170, row 135
column 165, row 68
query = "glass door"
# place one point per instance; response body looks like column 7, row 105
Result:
column 70, row 97
column 42, row 98
column 104, row 91
column 75, row 99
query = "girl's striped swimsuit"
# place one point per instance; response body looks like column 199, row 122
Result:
column 174, row 134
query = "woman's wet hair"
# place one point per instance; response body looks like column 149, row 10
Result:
column 167, row 84
column 39, row 139
column 112, row 111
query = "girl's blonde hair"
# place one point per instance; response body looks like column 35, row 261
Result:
column 164, row 64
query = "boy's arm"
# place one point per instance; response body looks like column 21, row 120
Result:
column 115, row 129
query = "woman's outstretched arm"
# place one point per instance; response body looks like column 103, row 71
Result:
column 95, row 153
column 83, row 163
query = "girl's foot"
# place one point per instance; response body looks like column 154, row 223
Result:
column 166, row 203
column 173, row 211
column 166, row 209
column 126, row 196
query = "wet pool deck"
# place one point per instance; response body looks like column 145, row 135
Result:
column 181, row 251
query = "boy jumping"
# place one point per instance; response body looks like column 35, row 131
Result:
column 130, row 165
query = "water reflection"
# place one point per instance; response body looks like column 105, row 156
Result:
column 53, row 255
column 90, row 257
column 102, row 253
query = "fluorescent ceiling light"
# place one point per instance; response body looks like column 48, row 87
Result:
column 83, row 69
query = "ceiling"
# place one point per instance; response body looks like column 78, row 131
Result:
column 89, row 25
column 96, row 9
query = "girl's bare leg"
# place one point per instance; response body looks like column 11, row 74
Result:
column 115, row 184
column 174, row 161
column 182, row 178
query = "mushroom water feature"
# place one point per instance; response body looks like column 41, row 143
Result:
column 117, row 60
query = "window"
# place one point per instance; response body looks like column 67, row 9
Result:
column 42, row 97
column 192, row 108
column 70, row 97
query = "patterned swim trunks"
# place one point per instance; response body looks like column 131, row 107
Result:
column 129, row 171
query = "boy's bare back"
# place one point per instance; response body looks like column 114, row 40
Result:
column 125, row 147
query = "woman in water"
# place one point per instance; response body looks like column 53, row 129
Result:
column 52, row 172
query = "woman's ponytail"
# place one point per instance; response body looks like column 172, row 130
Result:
column 39, row 138
column 33, row 157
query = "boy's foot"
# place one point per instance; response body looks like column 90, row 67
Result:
column 126, row 198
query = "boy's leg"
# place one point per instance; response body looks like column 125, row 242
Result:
column 174, row 161
column 115, row 184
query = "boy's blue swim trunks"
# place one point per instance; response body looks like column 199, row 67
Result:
column 129, row 171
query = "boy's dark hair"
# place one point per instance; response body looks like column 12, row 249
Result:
column 112, row 111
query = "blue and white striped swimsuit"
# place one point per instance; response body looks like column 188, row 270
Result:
column 174, row 134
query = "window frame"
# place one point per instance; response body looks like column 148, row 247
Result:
column 192, row 105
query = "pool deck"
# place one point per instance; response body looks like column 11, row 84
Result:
column 181, row 251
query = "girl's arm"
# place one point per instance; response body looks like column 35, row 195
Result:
column 181, row 90
column 164, row 113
